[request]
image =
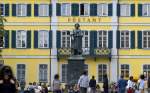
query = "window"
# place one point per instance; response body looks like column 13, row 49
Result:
column 43, row 73
column 21, row 39
column 146, row 10
column 102, row 39
column 66, row 9
column 125, row 70
column 21, row 72
column 146, row 39
column 125, row 39
column 102, row 70
column 2, row 9
column 85, row 39
column 125, row 10
column 84, row 9
column 86, row 68
column 43, row 40
column 102, row 9
column 1, row 63
column 21, row 10
column 85, row 42
column 2, row 41
column 66, row 40
column 146, row 69
column 64, row 73
column 43, row 10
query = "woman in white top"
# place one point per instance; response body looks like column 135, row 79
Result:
column 141, row 84
column 130, row 85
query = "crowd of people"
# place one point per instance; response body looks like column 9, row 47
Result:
column 142, row 85
column 8, row 84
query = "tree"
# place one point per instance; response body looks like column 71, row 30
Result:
column 2, row 20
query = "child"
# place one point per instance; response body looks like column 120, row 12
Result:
column 98, row 90
column 71, row 90
column 76, row 90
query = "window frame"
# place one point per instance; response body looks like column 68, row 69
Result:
column 125, row 39
column 147, row 9
column 3, row 43
column 126, row 14
column 102, row 38
column 61, row 73
column 86, row 69
column 100, row 13
column 43, row 73
column 66, row 36
column 107, row 69
column 68, row 12
column 20, row 70
column 84, row 10
column 83, row 39
column 146, row 38
column 86, row 50
column 125, row 70
column 146, row 69
column 21, row 15
column 39, row 12
column 21, row 39
column 43, row 38
column 3, row 13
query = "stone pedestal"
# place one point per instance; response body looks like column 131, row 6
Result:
column 75, row 68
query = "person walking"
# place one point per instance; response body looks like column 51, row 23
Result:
column 141, row 84
column 130, row 85
column 105, row 83
column 122, row 85
column 56, row 84
column 7, row 81
column 83, row 82
column 92, row 85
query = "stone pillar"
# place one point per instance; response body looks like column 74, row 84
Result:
column 54, row 61
column 114, row 61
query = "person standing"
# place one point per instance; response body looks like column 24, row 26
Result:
column 122, row 85
column 83, row 82
column 7, row 81
column 105, row 83
column 141, row 84
column 56, row 84
column 148, row 84
column 130, row 85
column 45, row 89
column 92, row 85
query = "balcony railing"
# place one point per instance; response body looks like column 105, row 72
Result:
column 86, row 51
column 64, row 51
column 102, row 51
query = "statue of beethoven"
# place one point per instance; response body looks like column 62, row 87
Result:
column 76, row 40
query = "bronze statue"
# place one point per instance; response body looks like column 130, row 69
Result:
column 76, row 40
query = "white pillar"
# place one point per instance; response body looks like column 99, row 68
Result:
column 114, row 61
column 54, row 61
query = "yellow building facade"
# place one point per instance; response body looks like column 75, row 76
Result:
column 116, row 37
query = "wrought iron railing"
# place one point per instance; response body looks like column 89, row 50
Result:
column 86, row 51
column 102, row 51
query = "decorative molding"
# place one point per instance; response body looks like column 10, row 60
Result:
column 24, row 57
column 53, row 57
column 72, row 24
